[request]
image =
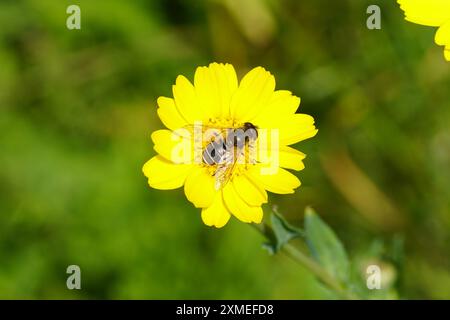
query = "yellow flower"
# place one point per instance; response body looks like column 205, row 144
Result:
column 433, row 13
column 213, row 112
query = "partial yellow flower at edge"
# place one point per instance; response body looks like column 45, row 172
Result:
column 433, row 13
column 219, row 100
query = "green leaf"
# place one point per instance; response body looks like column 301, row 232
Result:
column 325, row 247
column 282, row 233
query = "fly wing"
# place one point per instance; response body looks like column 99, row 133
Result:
column 225, row 169
column 252, row 152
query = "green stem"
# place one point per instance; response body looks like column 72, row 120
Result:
column 317, row 270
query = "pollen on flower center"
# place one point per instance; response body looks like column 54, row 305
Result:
column 221, row 122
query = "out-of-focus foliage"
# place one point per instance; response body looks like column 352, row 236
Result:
column 323, row 254
column 77, row 108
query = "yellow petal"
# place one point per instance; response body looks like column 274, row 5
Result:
column 239, row 208
column 255, row 90
column 296, row 128
column 281, row 104
column 443, row 38
column 217, row 214
column 286, row 157
column 281, row 181
column 199, row 188
column 426, row 12
column 215, row 86
column 164, row 175
column 291, row 158
column 252, row 193
column 286, row 130
column 186, row 100
column 169, row 114
column 173, row 147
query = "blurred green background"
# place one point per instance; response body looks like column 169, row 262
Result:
column 78, row 107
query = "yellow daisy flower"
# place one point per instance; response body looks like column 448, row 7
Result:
column 433, row 13
column 228, row 143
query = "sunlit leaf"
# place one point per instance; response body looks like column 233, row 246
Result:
column 326, row 247
column 281, row 233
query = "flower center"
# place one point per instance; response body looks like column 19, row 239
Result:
column 228, row 148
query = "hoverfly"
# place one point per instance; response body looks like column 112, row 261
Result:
column 226, row 152
column 226, row 148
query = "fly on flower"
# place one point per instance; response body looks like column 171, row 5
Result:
column 227, row 142
column 433, row 13
column 229, row 148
